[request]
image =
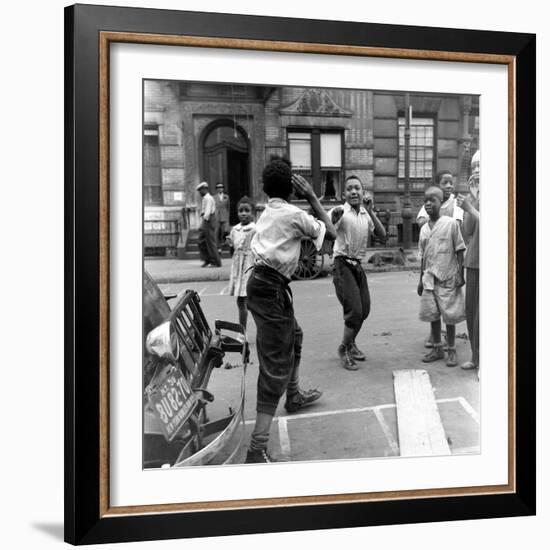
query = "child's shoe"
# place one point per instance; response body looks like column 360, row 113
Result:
column 356, row 353
column 301, row 399
column 451, row 358
column 435, row 354
column 259, row 456
column 346, row 358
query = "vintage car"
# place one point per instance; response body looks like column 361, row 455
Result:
column 181, row 353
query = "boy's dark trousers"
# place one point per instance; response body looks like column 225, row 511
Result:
column 279, row 337
column 352, row 290
column 206, row 241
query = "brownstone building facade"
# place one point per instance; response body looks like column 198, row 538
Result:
column 225, row 133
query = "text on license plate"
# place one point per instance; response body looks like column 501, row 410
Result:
column 173, row 402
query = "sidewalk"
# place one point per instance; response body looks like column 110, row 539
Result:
column 172, row 270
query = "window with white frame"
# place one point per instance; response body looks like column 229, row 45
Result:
column 317, row 155
column 299, row 144
column 421, row 152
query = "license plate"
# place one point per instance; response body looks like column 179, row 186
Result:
column 172, row 402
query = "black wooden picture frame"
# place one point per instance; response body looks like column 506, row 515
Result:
column 88, row 31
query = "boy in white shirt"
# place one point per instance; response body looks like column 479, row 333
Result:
column 449, row 207
column 354, row 223
column 441, row 276
column 276, row 250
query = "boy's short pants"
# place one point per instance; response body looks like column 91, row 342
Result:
column 445, row 301
column 352, row 291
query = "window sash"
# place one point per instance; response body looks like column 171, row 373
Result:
column 317, row 155
column 331, row 150
column 421, row 150
column 152, row 178
column 300, row 150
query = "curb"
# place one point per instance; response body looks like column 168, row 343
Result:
column 392, row 268
column 187, row 278
column 224, row 276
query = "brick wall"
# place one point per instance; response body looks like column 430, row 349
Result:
column 162, row 109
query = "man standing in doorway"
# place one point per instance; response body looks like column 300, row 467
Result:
column 207, row 230
column 222, row 215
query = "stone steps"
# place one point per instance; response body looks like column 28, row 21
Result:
column 192, row 248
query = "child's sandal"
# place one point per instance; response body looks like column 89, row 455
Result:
column 434, row 355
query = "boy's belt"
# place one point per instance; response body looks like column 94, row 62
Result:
column 355, row 262
column 271, row 274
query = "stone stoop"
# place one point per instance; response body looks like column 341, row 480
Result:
column 191, row 250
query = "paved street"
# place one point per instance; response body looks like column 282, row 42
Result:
column 356, row 417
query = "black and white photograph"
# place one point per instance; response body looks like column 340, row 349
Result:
column 229, row 226
column 310, row 274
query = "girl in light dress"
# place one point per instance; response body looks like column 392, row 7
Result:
column 239, row 240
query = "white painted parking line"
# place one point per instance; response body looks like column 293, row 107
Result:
column 224, row 290
column 330, row 413
column 358, row 410
column 201, row 291
column 465, row 405
column 469, row 409
column 284, row 439
column 386, row 429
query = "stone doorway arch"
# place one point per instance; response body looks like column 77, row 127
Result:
column 224, row 150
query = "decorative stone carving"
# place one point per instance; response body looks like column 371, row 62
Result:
column 315, row 102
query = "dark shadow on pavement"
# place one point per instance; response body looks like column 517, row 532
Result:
column 54, row 530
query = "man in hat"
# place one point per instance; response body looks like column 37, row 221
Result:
column 222, row 214
column 207, row 230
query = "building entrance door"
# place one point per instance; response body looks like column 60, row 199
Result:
column 225, row 160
